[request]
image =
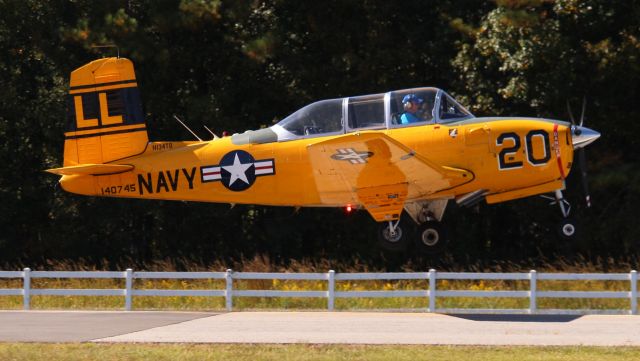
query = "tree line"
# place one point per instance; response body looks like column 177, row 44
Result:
column 241, row 65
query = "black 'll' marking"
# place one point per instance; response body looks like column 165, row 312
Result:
column 143, row 129
column 98, row 85
column 117, row 125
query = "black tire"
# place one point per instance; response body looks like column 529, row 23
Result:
column 432, row 237
column 567, row 229
column 399, row 242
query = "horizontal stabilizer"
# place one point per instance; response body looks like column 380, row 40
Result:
column 91, row 169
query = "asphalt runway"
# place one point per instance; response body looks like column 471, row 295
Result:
column 318, row 328
column 81, row 326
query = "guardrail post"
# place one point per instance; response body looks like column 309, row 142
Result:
column 533, row 284
column 634, row 292
column 432, row 290
column 128, row 289
column 228, row 296
column 331, row 290
column 26, row 288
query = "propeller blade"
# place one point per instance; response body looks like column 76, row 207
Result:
column 584, row 106
column 573, row 121
column 582, row 159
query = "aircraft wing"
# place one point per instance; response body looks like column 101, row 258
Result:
column 373, row 169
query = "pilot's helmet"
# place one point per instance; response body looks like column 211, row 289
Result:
column 411, row 98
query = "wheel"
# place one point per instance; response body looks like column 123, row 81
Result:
column 567, row 228
column 393, row 241
column 432, row 237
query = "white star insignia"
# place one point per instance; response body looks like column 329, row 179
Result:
column 237, row 170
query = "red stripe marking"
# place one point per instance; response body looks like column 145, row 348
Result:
column 210, row 173
column 265, row 167
column 556, row 144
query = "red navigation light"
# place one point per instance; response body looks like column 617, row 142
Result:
column 348, row 208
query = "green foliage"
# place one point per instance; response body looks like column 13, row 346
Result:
column 240, row 65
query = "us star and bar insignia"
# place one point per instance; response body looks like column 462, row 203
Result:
column 237, row 170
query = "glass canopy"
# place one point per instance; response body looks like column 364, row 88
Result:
column 401, row 108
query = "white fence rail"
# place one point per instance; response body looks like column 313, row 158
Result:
column 331, row 277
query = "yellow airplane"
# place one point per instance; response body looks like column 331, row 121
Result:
column 413, row 150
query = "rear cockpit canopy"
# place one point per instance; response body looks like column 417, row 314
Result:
column 377, row 111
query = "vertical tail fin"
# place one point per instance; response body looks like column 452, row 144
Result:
column 105, row 121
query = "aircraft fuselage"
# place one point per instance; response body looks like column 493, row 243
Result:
column 504, row 155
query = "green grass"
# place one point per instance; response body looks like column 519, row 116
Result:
column 200, row 352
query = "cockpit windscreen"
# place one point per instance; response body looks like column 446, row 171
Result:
column 318, row 118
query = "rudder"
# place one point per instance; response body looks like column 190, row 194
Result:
column 105, row 121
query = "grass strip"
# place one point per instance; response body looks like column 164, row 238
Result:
column 159, row 352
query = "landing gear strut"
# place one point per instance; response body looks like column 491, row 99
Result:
column 567, row 226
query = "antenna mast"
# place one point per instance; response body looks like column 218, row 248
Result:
column 212, row 133
column 184, row 125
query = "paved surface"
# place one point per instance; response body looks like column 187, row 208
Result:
column 319, row 327
column 78, row 326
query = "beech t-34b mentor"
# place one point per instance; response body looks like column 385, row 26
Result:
column 413, row 150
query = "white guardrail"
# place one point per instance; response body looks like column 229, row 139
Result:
column 331, row 277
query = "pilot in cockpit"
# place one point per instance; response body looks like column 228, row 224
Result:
column 411, row 104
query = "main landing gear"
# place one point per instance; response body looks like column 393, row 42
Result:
column 392, row 236
column 432, row 237
column 567, row 228
column 427, row 232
